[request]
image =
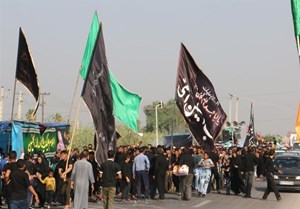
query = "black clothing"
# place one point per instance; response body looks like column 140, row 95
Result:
column 109, row 171
column 120, row 158
column 214, row 170
column 237, row 183
column 248, row 162
column 39, row 187
column 29, row 166
column 10, row 166
column 42, row 169
column 95, row 172
column 161, row 164
column 126, row 171
column 271, row 186
column 160, row 170
column 62, row 165
column 19, row 182
column 269, row 165
column 187, row 159
column 260, row 166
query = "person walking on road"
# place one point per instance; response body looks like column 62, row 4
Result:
column 206, row 164
column 186, row 181
column 109, row 172
column 269, row 169
column 82, row 176
column 140, row 169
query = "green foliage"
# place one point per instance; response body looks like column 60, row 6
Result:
column 83, row 136
column 167, row 117
column 270, row 138
column 57, row 117
column 129, row 137
column 29, row 116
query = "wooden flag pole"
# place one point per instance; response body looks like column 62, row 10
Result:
column 298, row 45
column 73, row 97
column 73, row 133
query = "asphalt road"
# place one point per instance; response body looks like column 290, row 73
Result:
column 290, row 200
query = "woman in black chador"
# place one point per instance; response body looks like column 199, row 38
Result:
column 237, row 183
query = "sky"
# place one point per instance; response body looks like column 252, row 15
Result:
column 245, row 47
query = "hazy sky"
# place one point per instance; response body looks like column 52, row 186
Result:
column 246, row 48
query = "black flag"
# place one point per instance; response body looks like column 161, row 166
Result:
column 97, row 95
column 197, row 101
column 25, row 72
column 251, row 139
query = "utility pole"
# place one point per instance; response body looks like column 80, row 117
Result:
column 237, row 110
column 43, row 103
column 156, row 121
column 20, row 100
column 230, row 104
column 2, row 97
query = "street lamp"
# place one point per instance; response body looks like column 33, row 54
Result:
column 160, row 104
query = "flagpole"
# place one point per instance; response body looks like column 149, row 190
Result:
column 73, row 97
column 298, row 46
column 73, row 133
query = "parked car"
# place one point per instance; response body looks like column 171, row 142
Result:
column 296, row 146
column 288, row 177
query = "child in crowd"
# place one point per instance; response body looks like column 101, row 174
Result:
column 50, row 183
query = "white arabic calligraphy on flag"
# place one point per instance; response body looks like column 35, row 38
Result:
column 197, row 100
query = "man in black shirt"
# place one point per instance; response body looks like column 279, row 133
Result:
column 109, row 171
column 186, row 181
column 10, row 166
column 214, row 170
column 269, row 169
column 17, row 187
column 65, row 167
column 248, row 163
column 160, row 170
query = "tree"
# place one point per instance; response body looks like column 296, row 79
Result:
column 169, row 117
column 83, row 136
column 57, row 117
column 129, row 137
column 29, row 116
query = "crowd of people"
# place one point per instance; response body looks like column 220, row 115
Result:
column 132, row 173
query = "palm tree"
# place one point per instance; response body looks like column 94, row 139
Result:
column 57, row 117
column 29, row 115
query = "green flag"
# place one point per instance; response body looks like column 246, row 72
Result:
column 295, row 4
column 88, row 52
column 125, row 104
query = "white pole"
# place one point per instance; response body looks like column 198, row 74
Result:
column 156, row 124
column 237, row 109
column 20, row 100
column 230, row 104
column 156, row 120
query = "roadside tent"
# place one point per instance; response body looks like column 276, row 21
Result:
column 27, row 137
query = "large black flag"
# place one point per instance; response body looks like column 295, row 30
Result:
column 251, row 139
column 197, row 101
column 97, row 95
column 25, row 72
